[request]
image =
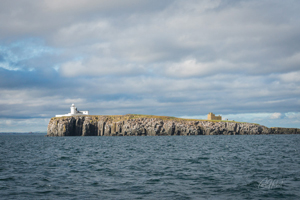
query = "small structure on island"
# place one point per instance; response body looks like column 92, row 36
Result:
column 212, row 116
column 74, row 112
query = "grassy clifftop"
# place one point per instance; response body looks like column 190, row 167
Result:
column 136, row 116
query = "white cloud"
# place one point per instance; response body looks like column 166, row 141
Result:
column 7, row 66
column 293, row 115
column 290, row 77
column 275, row 116
column 8, row 122
column 192, row 68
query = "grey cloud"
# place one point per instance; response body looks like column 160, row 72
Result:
column 242, row 36
column 155, row 57
column 100, row 67
column 41, row 18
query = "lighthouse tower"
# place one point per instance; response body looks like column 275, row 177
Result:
column 73, row 109
column 74, row 112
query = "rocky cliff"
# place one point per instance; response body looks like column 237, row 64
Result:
column 141, row 125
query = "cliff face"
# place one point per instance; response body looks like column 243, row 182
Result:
column 132, row 125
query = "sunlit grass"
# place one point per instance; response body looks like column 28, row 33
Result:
column 94, row 118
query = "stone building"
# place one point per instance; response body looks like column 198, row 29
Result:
column 212, row 116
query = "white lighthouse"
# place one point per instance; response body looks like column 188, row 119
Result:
column 74, row 112
column 73, row 109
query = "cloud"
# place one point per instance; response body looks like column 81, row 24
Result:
column 290, row 77
column 19, row 54
column 275, row 116
column 173, row 57
column 291, row 61
column 99, row 67
column 237, row 36
column 78, row 100
column 43, row 18
column 192, row 68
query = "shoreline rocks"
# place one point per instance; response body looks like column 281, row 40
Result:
column 132, row 125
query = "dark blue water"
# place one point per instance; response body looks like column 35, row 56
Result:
column 170, row 167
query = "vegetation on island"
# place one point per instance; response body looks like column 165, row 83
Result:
column 115, row 118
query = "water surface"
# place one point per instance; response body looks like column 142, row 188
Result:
column 161, row 167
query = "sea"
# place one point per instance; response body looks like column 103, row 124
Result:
column 145, row 167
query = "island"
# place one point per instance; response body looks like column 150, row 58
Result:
column 149, row 125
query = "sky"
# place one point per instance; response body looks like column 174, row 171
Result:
column 183, row 58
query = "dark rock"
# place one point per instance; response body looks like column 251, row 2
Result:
column 109, row 126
